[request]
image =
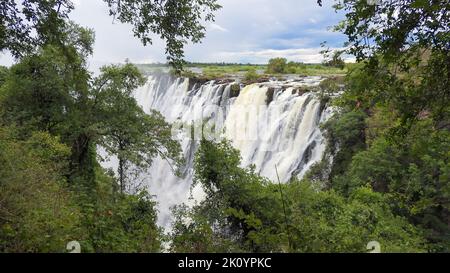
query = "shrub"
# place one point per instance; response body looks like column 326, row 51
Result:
column 277, row 65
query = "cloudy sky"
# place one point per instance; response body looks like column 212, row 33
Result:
column 244, row 31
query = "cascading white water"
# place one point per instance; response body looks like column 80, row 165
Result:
column 272, row 124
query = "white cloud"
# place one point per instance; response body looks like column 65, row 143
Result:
column 306, row 55
column 264, row 28
column 214, row 26
column 76, row 3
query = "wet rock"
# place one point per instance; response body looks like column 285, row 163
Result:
column 196, row 82
column 235, row 89
column 270, row 93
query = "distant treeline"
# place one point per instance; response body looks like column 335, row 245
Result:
column 200, row 64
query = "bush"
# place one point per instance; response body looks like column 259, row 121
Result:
column 245, row 212
column 277, row 65
column 345, row 135
column 324, row 221
column 336, row 60
column 37, row 212
column 251, row 76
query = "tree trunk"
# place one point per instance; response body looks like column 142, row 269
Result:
column 121, row 175
column 122, row 167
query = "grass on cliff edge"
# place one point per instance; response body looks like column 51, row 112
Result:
column 224, row 70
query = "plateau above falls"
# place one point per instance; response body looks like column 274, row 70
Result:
column 273, row 124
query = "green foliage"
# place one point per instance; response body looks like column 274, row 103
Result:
column 215, row 71
column 291, row 67
column 332, row 84
column 3, row 74
column 335, row 60
column 124, row 128
column 192, row 232
column 276, row 66
column 281, row 66
column 39, row 91
column 46, row 18
column 226, row 68
column 41, row 212
column 414, row 173
column 406, row 67
column 324, row 221
column 318, row 70
column 251, row 76
column 49, row 91
column 235, row 214
column 405, row 24
column 121, row 223
column 53, row 115
column 244, row 212
column 37, row 211
column 345, row 135
column 401, row 83
column 346, row 130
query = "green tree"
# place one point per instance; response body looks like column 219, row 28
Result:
column 277, row 65
column 345, row 135
column 41, row 91
column 235, row 216
column 251, row 76
column 244, row 212
column 335, row 60
column 19, row 21
column 291, row 67
column 414, row 174
column 124, row 129
column 192, row 232
column 37, row 211
column 3, row 74
column 51, row 92
column 324, row 221
column 120, row 222
column 401, row 85
column 405, row 48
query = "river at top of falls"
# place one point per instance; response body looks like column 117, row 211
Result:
column 272, row 124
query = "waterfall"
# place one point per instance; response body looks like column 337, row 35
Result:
column 273, row 123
